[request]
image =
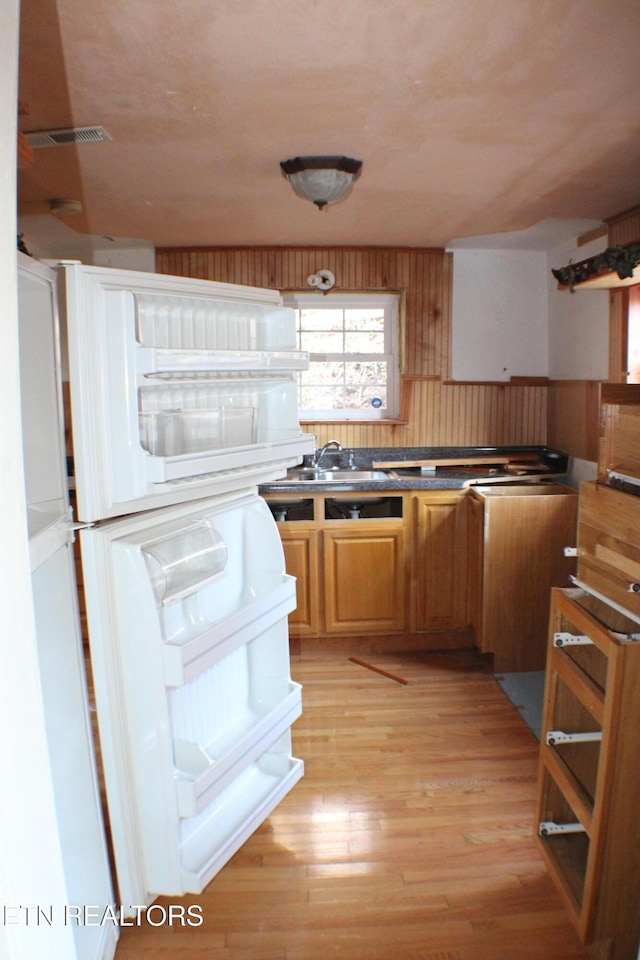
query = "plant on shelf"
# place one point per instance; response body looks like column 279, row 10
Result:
column 621, row 259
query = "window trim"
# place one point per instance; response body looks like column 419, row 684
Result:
column 391, row 300
column 618, row 347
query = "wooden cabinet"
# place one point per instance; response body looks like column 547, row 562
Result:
column 364, row 577
column 517, row 538
column 300, row 547
column 589, row 783
column 439, row 568
column 609, row 544
column 428, row 564
column 349, row 556
column 399, row 568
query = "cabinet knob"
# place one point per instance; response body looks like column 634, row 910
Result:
column 633, row 588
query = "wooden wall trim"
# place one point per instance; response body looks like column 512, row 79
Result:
column 620, row 394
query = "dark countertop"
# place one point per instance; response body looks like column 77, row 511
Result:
column 547, row 463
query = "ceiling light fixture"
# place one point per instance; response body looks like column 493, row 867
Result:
column 65, row 207
column 323, row 180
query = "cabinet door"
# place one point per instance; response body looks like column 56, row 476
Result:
column 475, row 548
column 364, row 578
column 441, row 561
column 525, row 532
column 301, row 561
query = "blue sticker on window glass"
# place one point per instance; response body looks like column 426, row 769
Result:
column 376, row 402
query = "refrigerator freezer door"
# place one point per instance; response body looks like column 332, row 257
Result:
column 180, row 388
column 187, row 611
column 42, row 419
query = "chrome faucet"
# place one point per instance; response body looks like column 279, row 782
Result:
column 330, row 445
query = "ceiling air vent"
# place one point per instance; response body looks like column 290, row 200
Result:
column 60, row 138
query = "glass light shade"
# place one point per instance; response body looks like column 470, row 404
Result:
column 322, row 180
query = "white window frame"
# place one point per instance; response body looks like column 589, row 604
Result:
column 390, row 302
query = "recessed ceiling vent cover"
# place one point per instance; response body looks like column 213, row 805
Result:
column 60, row 138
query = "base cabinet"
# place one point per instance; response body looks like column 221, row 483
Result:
column 361, row 561
column 440, row 567
column 440, row 561
column 589, row 775
column 518, row 536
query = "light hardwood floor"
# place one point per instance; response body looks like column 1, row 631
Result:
column 409, row 838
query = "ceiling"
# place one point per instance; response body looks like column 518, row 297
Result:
column 471, row 117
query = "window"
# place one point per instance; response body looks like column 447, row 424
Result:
column 633, row 335
column 352, row 340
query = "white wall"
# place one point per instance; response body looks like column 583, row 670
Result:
column 578, row 322
column 499, row 327
column 510, row 319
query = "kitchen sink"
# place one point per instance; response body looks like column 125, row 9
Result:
column 316, row 475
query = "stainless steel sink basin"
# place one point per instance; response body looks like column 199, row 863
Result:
column 315, row 475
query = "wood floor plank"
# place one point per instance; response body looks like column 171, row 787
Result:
column 410, row 836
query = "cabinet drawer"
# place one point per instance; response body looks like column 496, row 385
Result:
column 608, row 545
column 573, row 736
column 565, row 845
column 574, row 626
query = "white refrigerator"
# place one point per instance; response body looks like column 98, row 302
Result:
column 183, row 399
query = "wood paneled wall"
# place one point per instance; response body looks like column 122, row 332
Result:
column 624, row 228
column 435, row 412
